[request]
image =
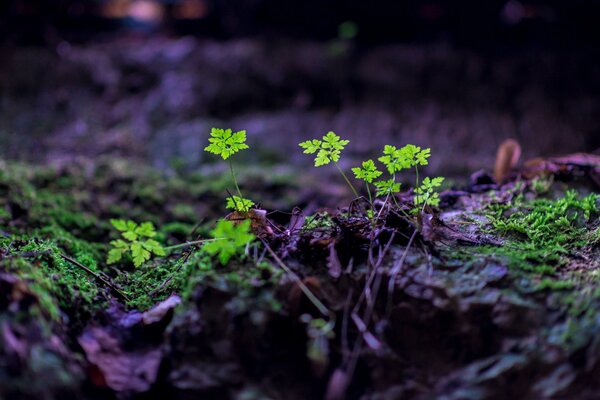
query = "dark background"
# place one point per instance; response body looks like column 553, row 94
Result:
column 481, row 24
column 93, row 78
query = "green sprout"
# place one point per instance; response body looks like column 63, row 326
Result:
column 138, row 241
column 232, row 239
column 426, row 195
column 395, row 160
column 239, row 204
column 368, row 172
column 386, row 188
column 225, row 143
column 328, row 150
column 408, row 156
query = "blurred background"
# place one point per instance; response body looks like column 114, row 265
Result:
column 147, row 79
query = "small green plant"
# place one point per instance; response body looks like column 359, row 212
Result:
column 137, row 240
column 368, row 173
column 386, row 188
column 239, row 204
column 426, row 195
column 232, row 239
column 395, row 160
column 328, row 149
column 225, row 143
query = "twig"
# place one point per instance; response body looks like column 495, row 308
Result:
column 394, row 273
column 316, row 302
column 192, row 243
column 166, row 281
column 115, row 289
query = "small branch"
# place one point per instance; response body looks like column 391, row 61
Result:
column 394, row 273
column 347, row 180
column 192, row 243
column 316, row 302
column 115, row 289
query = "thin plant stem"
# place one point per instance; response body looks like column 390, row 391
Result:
column 313, row 299
column 369, row 193
column 371, row 205
column 234, row 179
column 417, row 174
column 347, row 180
column 186, row 244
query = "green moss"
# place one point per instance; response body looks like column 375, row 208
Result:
column 56, row 282
column 318, row 221
column 541, row 233
column 552, row 284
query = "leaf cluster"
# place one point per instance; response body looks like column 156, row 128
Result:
column 328, row 149
column 225, row 143
column 230, row 239
column 239, row 204
column 395, row 160
column 137, row 240
column 425, row 194
column 368, row 172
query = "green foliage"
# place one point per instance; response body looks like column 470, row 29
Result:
column 239, row 204
column 319, row 220
column 138, row 242
column 386, row 188
column 549, row 223
column 368, row 172
column 231, row 239
column 225, row 143
column 56, row 283
column 543, row 231
column 328, row 149
column 425, row 194
column 408, row 156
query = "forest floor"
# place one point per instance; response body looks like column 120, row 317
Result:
column 494, row 294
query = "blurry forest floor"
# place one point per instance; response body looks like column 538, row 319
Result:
column 493, row 295
column 155, row 100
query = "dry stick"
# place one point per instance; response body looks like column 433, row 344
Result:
column 120, row 294
column 316, row 302
column 358, row 342
column 166, row 281
column 377, row 283
column 192, row 243
column 394, row 272
column 373, row 272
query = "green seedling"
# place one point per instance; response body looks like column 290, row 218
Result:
column 386, row 188
column 328, row 149
column 225, row 143
column 368, row 173
column 425, row 194
column 137, row 240
column 394, row 161
column 233, row 238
